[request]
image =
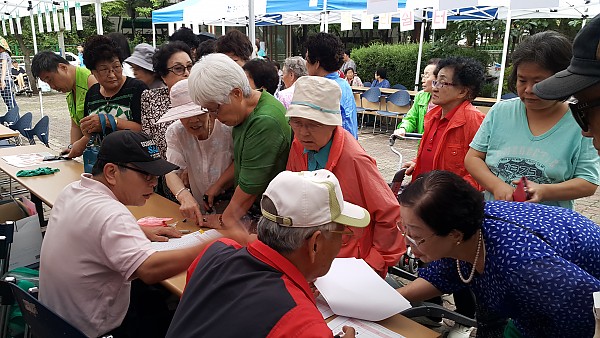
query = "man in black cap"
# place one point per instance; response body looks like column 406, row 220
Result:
column 94, row 248
column 581, row 80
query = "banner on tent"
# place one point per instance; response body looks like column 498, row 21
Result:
column 346, row 21
column 67, row 15
column 407, row 20
column 366, row 21
column 531, row 4
column 18, row 20
column 385, row 21
column 10, row 25
column 382, row 6
column 47, row 16
column 439, row 20
column 453, row 4
column 78, row 20
column 40, row 20
column 55, row 18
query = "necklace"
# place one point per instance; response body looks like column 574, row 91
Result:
column 468, row 280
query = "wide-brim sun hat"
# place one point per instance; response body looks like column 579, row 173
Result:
column 182, row 105
column 318, row 99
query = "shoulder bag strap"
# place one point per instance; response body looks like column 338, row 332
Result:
column 113, row 123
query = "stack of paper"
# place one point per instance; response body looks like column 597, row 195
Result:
column 353, row 289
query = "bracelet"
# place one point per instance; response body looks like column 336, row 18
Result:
column 221, row 224
column 180, row 191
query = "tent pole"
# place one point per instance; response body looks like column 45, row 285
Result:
column 98, row 11
column 35, row 47
column 417, row 73
column 223, row 26
column 251, row 23
column 154, row 35
column 325, row 17
column 504, row 54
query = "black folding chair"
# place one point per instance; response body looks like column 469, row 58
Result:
column 6, row 238
column 41, row 130
column 40, row 321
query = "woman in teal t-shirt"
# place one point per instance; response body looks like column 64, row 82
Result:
column 534, row 138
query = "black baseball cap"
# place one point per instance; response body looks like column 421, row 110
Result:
column 584, row 70
column 137, row 148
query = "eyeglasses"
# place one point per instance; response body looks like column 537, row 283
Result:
column 214, row 112
column 148, row 177
column 310, row 126
column 578, row 110
column 442, row 84
column 180, row 69
column 348, row 233
column 416, row 242
column 117, row 69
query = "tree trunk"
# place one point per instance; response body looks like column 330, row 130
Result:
column 27, row 60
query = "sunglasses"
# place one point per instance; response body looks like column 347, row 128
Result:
column 578, row 110
column 147, row 176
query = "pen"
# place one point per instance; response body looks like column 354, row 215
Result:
column 185, row 231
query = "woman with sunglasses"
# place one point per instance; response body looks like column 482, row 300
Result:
column 114, row 94
column 534, row 264
column 172, row 62
column 534, row 138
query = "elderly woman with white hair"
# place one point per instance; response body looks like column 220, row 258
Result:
column 293, row 68
column 201, row 143
column 261, row 133
column 320, row 142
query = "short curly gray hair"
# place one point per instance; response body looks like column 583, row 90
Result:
column 214, row 77
column 296, row 65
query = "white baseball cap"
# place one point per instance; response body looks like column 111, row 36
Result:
column 311, row 198
column 182, row 105
column 318, row 99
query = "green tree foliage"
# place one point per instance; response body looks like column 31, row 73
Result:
column 400, row 60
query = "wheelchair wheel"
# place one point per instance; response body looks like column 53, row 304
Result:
column 408, row 262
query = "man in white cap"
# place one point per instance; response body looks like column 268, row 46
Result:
column 263, row 290
column 321, row 143
column 202, row 144
column 580, row 80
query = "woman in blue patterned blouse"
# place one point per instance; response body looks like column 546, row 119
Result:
column 533, row 265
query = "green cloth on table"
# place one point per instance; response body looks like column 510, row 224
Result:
column 36, row 172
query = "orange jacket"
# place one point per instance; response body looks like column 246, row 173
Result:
column 453, row 147
column 381, row 244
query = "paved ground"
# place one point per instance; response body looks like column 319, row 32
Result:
column 376, row 145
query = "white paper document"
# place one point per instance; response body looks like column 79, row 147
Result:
column 353, row 289
column 189, row 240
column 363, row 328
column 26, row 160
column 324, row 307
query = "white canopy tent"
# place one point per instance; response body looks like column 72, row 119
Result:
column 286, row 12
column 21, row 8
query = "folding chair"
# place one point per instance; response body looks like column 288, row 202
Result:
column 399, row 86
column 22, row 124
column 40, row 321
column 366, row 84
column 6, row 238
column 11, row 116
column 398, row 101
column 373, row 97
column 41, row 130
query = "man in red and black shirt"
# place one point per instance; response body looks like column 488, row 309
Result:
column 263, row 290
